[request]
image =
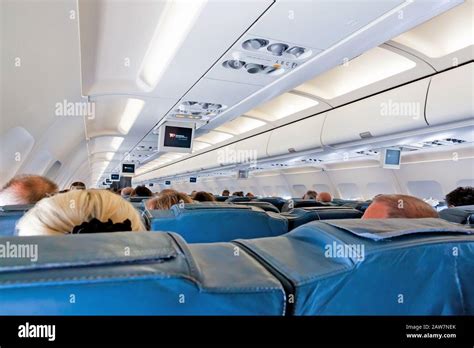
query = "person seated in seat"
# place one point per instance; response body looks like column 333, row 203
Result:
column 78, row 212
column 226, row 193
column 238, row 193
column 250, row 194
column 399, row 206
column 141, row 191
column 77, row 185
column 126, row 191
column 203, row 196
column 166, row 199
column 460, row 196
column 26, row 189
column 310, row 194
column 324, row 197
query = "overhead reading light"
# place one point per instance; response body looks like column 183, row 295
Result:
column 130, row 114
column 277, row 49
column 174, row 25
column 254, row 44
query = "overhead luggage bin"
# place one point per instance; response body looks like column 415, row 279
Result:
column 135, row 273
column 458, row 105
column 298, row 136
column 217, row 222
column 395, row 111
column 374, row 267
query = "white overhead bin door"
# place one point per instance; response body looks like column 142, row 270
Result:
column 298, row 136
column 450, row 97
column 398, row 110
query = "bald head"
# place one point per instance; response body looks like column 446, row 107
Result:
column 126, row 191
column 399, row 206
column 26, row 189
column 324, row 197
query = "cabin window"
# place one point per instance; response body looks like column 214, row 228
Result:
column 375, row 188
column 349, row 191
column 425, row 189
column 321, row 188
column 299, row 190
column 465, row 182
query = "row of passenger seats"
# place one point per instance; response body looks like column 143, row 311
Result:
column 336, row 267
column 222, row 222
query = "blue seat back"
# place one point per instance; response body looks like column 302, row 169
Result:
column 138, row 199
column 233, row 199
column 263, row 205
column 302, row 203
column 217, row 222
column 221, row 198
column 333, row 213
column 134, row 273
column 9, row 216
column 375, row 267
column 276, row 201
column 461, row 215
column 300, row 216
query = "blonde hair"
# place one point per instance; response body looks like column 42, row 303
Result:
column 59, row 214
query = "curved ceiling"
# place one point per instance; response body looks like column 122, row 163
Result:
column 75, row 97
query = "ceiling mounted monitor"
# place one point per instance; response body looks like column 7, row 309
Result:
column 176, row 137
column 243, row 174
column 114, row 177
column 128, row 169
column 192, row 179
column 391, row 158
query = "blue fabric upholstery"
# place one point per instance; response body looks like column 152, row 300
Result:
column 217, row 222
column 263, row 205
column 276, row 201
column 138, row 199
column 302, row 203
column 300, row 216
column 328, row 213
column 232, row 199
column 460, row 215
column 221, row 198
column 9, row 216
column 94, row 275
column 409, row 266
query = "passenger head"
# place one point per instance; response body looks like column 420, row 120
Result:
column 61, row 213
column 126, row 191
column 226, row 193
column 249, row 194
column 460, row 196
column 399, row 206
column 238, row 193
column 26, row 189
column 166, row 199
column 202, row 196
column 142, row 191
column 324, row 197
column 310, row 194
column 78, row 185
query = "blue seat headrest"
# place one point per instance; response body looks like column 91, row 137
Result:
column 217, row 222
column 460, row 215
